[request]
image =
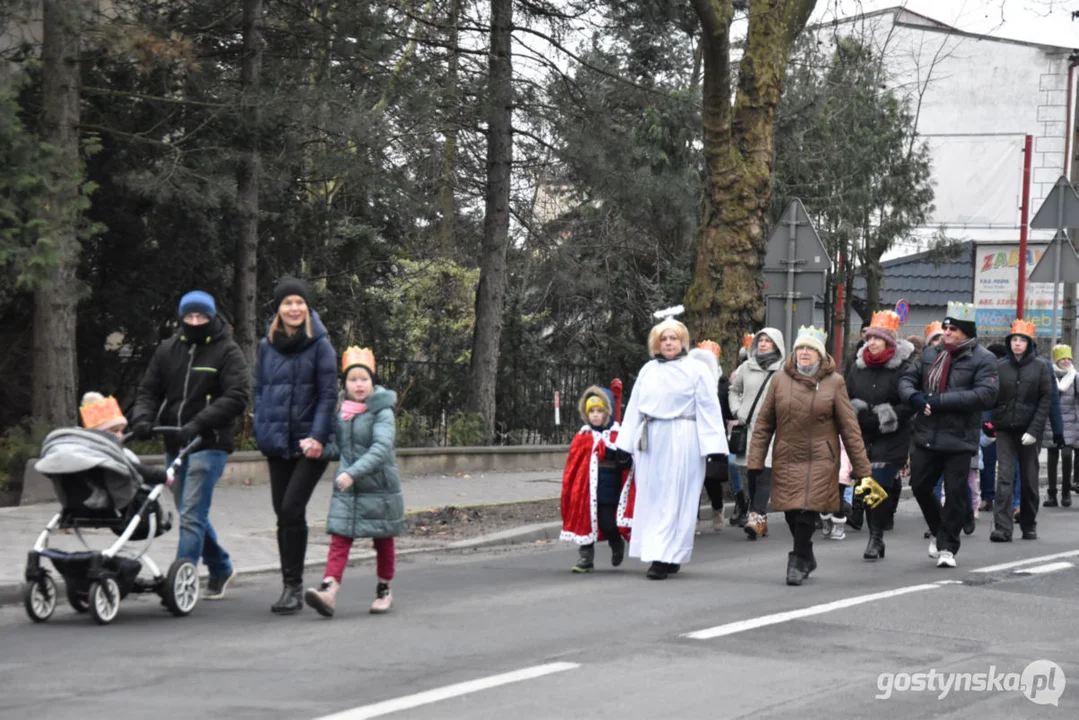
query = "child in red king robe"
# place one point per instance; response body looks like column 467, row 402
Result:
column 597, row 502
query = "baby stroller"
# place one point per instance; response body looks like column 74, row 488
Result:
column 100, row 485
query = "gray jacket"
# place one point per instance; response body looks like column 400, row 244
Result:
column 1069, row 409
column 747, row 382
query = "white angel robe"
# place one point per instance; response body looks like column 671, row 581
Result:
column 672, row 423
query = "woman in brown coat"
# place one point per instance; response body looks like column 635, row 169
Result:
column 808, row 410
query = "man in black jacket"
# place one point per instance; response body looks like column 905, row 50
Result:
column 197, row 380
column 1019, row 417
column 949, row 389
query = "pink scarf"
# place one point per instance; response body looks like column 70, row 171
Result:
column 351, row 408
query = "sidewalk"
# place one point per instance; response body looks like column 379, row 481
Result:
column 244, row 520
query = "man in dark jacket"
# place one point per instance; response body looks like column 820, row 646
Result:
column 197, row 380
column 1021, row 411
column 949, row 389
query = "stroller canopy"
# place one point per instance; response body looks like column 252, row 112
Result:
column 74, row 451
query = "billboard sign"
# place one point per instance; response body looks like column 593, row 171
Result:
column 996, row 283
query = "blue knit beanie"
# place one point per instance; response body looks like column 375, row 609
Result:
column 198, row 301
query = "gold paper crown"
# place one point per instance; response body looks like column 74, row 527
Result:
column 712, row 348
column 358, row 356
column 747, row 340
column 886, row 320
column 1061, row 351
column 593, row 402
column 1023, row 327
column 934, row 328
column 964, row 312
column 96, row 414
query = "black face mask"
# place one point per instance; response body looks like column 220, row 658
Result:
column 197, row 334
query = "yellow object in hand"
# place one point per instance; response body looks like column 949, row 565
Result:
column 871, row 491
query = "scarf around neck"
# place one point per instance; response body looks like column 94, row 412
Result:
column 937, row 379
column 810, row 371
column 351, row 408
column 1065, row 378
column 879, row 359
column 766, row 360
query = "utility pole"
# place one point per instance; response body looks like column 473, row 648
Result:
column 1068, row 335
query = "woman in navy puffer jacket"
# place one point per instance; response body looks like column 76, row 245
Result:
column 295, row 400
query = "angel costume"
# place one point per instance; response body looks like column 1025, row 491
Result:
column 673, row 422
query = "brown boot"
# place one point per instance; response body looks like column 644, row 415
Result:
column 756, row 526
column 323, row 599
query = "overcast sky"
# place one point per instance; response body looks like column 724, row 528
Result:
column 1044, row 21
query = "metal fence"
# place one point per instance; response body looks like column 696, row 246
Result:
column 433, row 402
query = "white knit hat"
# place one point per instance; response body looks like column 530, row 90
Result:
column 811, row 337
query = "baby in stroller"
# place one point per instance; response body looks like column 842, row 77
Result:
column 104, row 415
column 101, row 484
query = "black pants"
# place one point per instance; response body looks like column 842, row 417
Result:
column 714, row 488
column 292, row 481
column 1065, row 456
column 926, row 467
column 802, row 523
column 608, row 525
column 760, row 486
column 1010, row 452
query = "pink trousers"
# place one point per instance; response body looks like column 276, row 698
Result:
column 340, row 546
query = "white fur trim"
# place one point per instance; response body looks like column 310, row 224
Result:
column 858, row 404
column 593, row 479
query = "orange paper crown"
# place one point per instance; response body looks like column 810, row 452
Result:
column 101, row 413
column 358, row 356
column 885, row 319
column 1023, row 327
column 934, row 328
column 747, row 340
column 712, row 348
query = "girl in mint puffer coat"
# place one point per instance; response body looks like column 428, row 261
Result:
column 367, row 500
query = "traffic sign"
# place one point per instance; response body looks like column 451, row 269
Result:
column 795, row 269
column 1060, row 210
column 806, row 284
column 902, row 309
column 809, row 252
column 1067, row 262
column 801, row 313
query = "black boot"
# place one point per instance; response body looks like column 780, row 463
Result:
column 856, row 516
column 877, row 519
column 795, row 569
column 741, row 510
column 1050, row 501
column 657, row 571
column 618, row 551
column 291, row 600
column 1065, row 496
column 895, row 494
column 585, row 563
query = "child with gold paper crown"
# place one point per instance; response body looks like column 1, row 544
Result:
column 367, row 500
column 103, row 414
column 596, row 499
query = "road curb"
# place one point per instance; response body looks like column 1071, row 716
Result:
column 11, row 593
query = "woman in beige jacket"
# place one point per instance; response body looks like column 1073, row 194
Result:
column 807, row 409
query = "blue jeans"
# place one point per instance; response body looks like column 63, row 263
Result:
column 989, row 472
column 193, row 490
column 735, row 475
column 1017, row 486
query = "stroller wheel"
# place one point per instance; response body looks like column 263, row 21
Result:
column 104, row 600
column 79, row 601
column 181, row 589
column 39, row 597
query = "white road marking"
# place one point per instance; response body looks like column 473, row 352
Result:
column 450, row 691
column 1028, row 561
column 1041, row 569
column 765, row 620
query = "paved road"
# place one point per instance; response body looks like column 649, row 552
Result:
column 612, row 644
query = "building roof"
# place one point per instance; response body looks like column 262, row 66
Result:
column 922, row 283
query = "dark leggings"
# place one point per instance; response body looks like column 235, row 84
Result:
column 292, row 481
column 1065, row 455
column 608, row 525
column 802, row 523
column 760, row 485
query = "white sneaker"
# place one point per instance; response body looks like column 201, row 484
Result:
column 839, row 528
column 946, row 559
column 933, row 552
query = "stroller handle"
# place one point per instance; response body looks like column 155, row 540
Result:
column 174, row 466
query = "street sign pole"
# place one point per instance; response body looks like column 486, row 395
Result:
column 1056, row 272
column 792, row 237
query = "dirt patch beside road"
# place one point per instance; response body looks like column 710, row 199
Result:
column 456, row 523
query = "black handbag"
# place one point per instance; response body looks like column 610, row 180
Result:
column 739, row 437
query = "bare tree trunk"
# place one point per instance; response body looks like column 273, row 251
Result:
column 447, row 202
column 724, row 299
column 247, row 184
column 55, row 375
column 490, row 295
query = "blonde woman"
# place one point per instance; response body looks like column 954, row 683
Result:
column 673, row 426
column 295, row 400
